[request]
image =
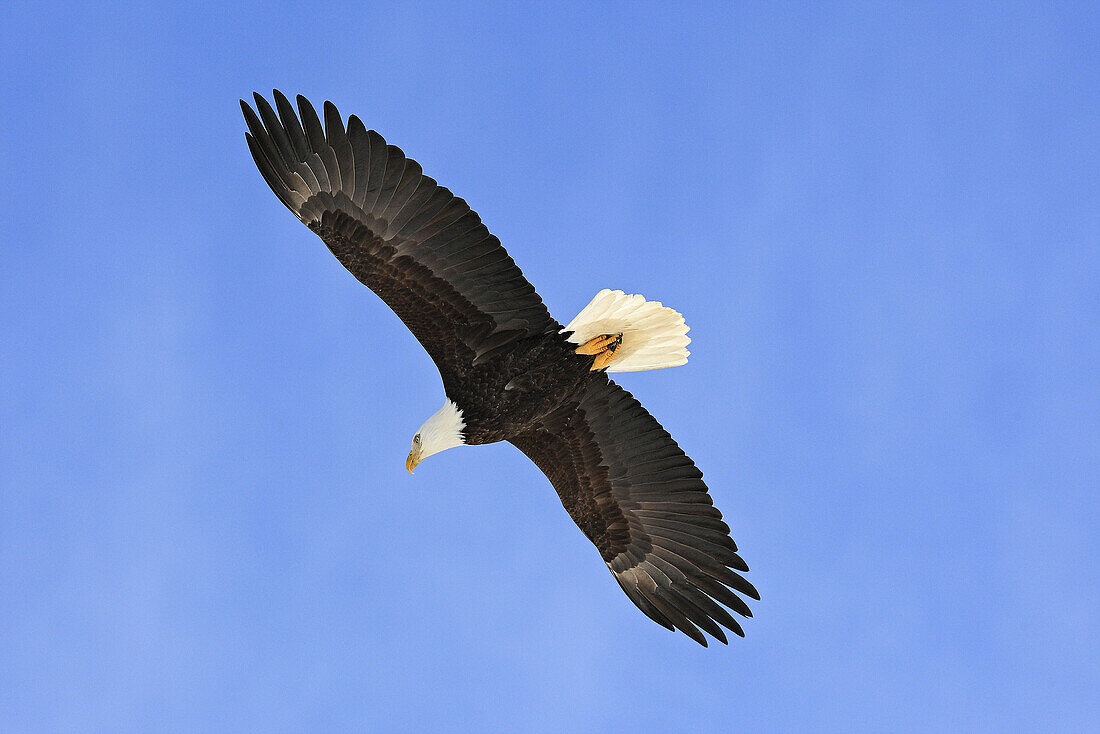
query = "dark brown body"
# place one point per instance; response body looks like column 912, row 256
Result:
column 506, row 396
column 502, row 393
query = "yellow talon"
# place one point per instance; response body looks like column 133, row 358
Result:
column 596, row 345
column 603, row 359
column 603, row 347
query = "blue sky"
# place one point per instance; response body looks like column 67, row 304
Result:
column 882, row 224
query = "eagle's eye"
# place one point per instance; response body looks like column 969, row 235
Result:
column 416, row 439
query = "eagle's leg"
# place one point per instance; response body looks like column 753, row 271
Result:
column 604, row 347
column 598, row 344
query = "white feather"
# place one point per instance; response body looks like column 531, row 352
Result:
column 654, row 336
column 442, row 431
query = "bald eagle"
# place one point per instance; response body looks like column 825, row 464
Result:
column 510, row 371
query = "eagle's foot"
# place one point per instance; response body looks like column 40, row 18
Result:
column 603, row 347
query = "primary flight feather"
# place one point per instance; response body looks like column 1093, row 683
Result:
column 510, row 371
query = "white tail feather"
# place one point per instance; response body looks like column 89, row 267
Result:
column 654, row 336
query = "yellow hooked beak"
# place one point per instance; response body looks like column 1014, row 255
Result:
column 412, row 461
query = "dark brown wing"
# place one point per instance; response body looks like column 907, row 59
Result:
column 636, row 495
column 413, row 242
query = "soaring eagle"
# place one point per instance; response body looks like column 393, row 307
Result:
column 510, row 371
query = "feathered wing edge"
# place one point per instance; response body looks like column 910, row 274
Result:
column 643, row 503
column 412, row 241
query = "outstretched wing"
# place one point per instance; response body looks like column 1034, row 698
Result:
column 636, row 495
column 411, row 241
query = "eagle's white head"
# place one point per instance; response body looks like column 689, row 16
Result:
column 442, row 431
